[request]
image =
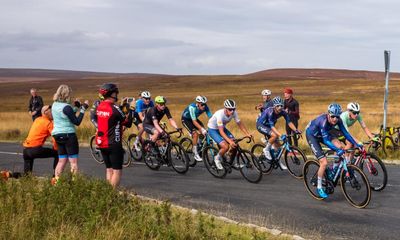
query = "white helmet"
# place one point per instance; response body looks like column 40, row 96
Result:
column 145, row 94
column 354, row 107
column 266, row 92
column 201, row 99
column 229, row 103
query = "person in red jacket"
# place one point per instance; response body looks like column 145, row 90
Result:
column 291, row 106
column 110, row 121
column 33, row 144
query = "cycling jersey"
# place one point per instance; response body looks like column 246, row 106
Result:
column 348, row 122
column 154, row 114
column 219, row 119
column 110, row 120
column 141, row 106
column 267, row 104
column 269, row 117
column 319, row 129
column 193, row 112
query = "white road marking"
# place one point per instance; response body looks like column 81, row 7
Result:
column 11, row 153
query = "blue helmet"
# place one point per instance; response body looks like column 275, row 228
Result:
column 277, row 101
column 334, row 109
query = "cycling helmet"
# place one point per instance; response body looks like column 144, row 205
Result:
column 201, row 99
column 160, row 99
column 334, row 109
column 277, row 101
column 266, row 92
column 107, row 89
column 145, row 94
column 354, row 107
column 229, row 103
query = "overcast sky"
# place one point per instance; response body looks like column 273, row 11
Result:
column 198, row 36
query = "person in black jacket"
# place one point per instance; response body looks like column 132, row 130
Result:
column 291, row 106
column 35, row 105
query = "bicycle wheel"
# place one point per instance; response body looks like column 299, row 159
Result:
column 248, row 166
column 310, row 177
column 375, row 170
column 355, row 186
column 263, row 163
column 295, row 159
column 208, row 154
column 95, row 151
column 187, row 144
column 178, row 158
column 135, row 150
column 150, row 157
column 127, row 154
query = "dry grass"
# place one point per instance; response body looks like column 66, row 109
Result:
column 314, row 97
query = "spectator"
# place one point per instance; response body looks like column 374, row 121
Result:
column 35, row 105
column 291, row 106
column 65, row 120
column 33, row 144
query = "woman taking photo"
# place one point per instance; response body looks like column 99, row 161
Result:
column 64, row 133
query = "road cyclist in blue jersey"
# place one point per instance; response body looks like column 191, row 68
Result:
column 142, row 105
column 266, row 126
column 220, row 134
column 318, row 131
column 190, row 120
column 267, row 100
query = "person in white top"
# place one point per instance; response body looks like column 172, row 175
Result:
column 220, row 134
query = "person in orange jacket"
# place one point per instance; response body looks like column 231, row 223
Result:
column 33, row 144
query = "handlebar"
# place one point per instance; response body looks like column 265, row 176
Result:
column 249, row 139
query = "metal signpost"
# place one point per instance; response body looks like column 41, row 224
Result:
column 385, row 101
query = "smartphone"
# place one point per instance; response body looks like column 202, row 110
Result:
column 130, row 99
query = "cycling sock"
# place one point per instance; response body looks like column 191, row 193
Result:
column 195, row 149
column 319, row 183
column 268, row 147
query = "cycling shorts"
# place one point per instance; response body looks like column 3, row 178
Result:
column 188, row 124
column 214, row 134
column 113, row 156
column 264, row 130
column 67, row 144
column 315, row 145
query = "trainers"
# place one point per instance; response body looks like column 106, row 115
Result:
column 282, row 166
column 218, row 164
column 267, row 154
column 238, row 166
column 5, row 175
column 198, row 158
column 54, row 181
column 322, row 193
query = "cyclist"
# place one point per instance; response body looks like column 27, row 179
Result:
column 267, row 101
column 266, row 126
column 64, row 131
column 110, row 120
column 190, row 120
column 142, row 105
column 153, row 117
column 318, row 131
column 220, row 134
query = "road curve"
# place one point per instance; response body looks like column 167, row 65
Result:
column 278, row 200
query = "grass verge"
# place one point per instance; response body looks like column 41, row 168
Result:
column 88, row 208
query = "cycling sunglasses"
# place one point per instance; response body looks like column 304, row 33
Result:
column 333, row 116
column 203, row 104
column 146, row 98
column 355, row 113
column 231, row 109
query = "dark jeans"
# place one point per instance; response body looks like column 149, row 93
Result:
column 289, row 131
column 38, row 152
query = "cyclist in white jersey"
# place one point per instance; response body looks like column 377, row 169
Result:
column 220, row 134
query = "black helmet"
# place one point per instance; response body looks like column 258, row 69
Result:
column 107, row 89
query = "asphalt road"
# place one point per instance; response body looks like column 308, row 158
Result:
column 278, row 201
